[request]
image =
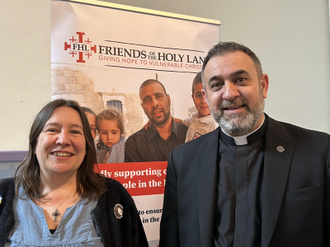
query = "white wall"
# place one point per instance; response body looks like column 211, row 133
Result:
column 24, row 68
column 290, row 37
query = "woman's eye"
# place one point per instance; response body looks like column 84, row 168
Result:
column 51, row 130
column 76, row 132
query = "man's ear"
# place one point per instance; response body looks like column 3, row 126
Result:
column 204, row 96
column 169, row 99
column 264, row 83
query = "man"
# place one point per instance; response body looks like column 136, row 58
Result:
column 155, row 143
column 252, row 182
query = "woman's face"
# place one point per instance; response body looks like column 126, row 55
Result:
column 109, row 132
column 61, row 145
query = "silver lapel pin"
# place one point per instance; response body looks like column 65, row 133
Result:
column 118, row 211
column 280, row 149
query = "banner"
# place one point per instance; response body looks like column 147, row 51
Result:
column 100, row 57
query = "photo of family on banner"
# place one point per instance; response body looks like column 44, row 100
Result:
column 136, row 74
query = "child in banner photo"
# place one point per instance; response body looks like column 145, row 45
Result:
column 111, row 144
column 200, row 122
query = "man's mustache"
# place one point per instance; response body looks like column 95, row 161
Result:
column 156, row 109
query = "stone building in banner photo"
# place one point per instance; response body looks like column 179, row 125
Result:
column 68, row 83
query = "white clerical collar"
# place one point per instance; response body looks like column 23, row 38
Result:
column 242, row 140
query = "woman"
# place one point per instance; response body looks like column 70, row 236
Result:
column 56, row 198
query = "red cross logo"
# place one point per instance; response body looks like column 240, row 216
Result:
column 79, row 46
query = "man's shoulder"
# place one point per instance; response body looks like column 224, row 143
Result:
column 140, row 134
column 297, row 133
column 179, row 127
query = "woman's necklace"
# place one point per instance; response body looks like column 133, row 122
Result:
column 56, row 213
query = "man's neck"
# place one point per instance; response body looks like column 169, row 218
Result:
column 242, row 140
column 165, row 129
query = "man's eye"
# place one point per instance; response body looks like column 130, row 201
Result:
column 241, row 79
column 215, row 86
column 146, row 101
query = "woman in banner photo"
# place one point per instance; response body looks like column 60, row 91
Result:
column 111, row 145
column 56, row 198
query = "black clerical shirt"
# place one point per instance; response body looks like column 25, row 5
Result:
column 148, row 145
column 237, row 220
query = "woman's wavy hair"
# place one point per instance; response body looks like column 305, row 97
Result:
column 90, row 185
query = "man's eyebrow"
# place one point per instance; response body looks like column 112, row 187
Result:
column 220, row 78
column 215, row 78
column 239, row 72
column 145, row 97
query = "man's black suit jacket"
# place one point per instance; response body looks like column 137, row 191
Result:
column 295, row 193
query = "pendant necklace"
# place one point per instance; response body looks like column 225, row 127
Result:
column 56, row 213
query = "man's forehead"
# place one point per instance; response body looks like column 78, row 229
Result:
column 236, row 61
column 151, row 89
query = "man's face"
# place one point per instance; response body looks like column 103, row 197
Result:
column 155, row 103
column 234, row 92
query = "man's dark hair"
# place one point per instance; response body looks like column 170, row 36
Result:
column 223, row 48
column 196, row 81
column 152, row 81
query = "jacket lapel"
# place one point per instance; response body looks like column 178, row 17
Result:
column 206, row 161
column 277, row 162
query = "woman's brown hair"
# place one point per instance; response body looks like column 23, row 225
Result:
column 90, row 185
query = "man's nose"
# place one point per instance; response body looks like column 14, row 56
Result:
column 154, row 102
column 230, row 91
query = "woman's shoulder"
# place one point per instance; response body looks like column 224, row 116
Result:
column 7, row 184
column 116, row 193
column 114, row 185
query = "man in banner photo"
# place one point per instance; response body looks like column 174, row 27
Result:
column 164, row 134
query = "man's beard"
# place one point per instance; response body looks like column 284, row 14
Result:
column 238, row 124
column 161, row 121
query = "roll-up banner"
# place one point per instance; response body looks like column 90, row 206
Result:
column 103, row 52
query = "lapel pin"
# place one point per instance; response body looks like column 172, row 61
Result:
column 0, row 199
column 280, row 149
column 118, row 211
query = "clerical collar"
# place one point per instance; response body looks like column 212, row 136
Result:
column 248, row 138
